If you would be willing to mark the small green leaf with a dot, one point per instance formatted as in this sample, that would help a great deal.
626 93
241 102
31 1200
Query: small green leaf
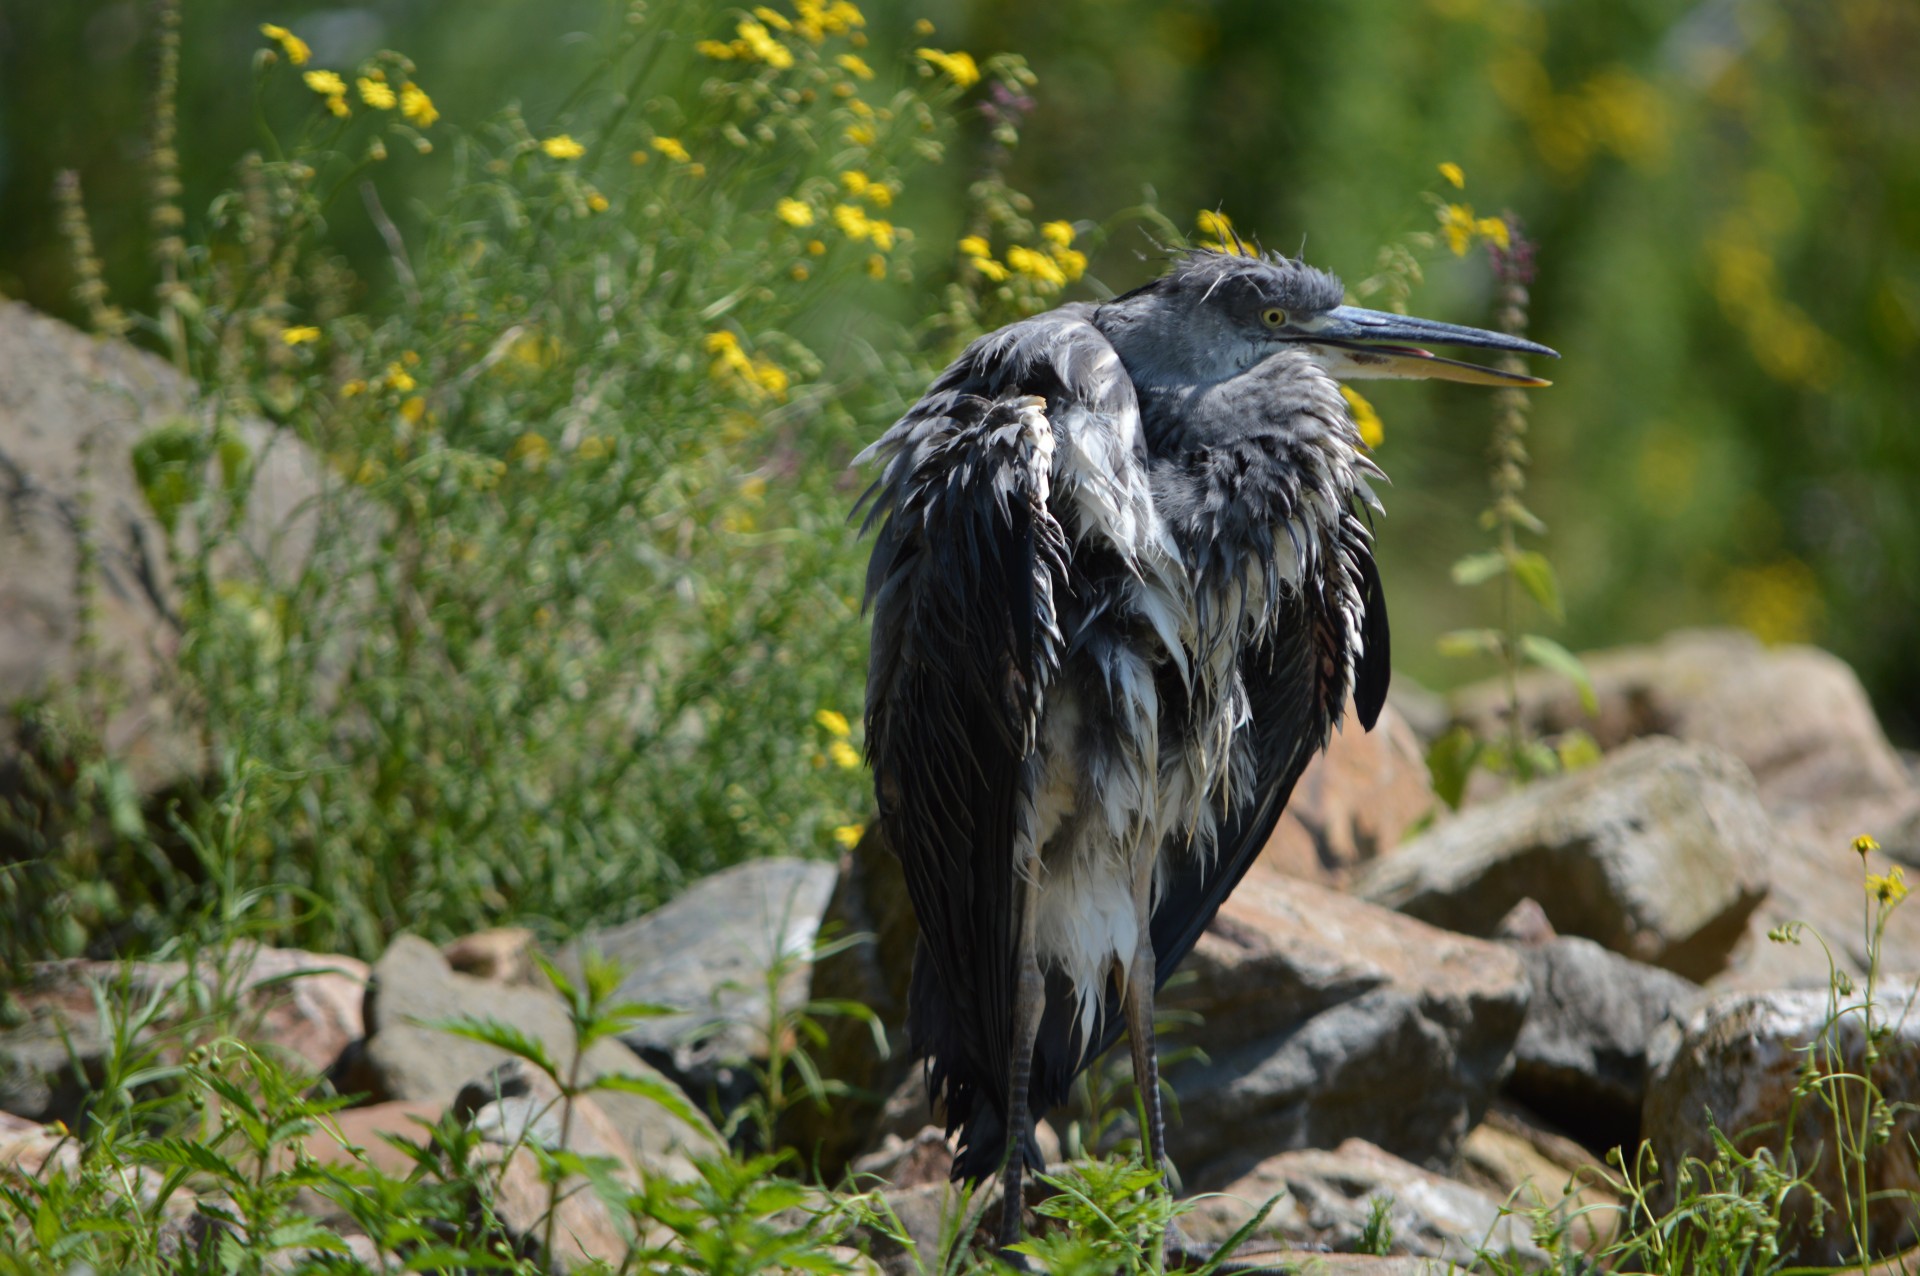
1536 576
1549 654
1470 642
1450 761
1577 749
1477 569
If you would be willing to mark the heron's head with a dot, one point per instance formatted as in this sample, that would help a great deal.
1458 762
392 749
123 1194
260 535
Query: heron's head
1217 314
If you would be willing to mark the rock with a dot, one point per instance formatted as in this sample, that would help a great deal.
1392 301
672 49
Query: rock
1581 1059
408 1058
1740 1058
900 1163
1325 1018
1326 1198
1796 716
1658 852
869 898
362 1135
707 953
1516 1162
72 409
1354 802
306 1004
504 955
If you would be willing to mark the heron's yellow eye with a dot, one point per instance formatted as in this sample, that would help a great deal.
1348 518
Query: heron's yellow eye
1273 316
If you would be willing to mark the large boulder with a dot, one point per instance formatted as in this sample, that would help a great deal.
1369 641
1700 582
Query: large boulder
72 410
1354 802
1324 1018
1582 1057
1658 852
306 1005
409 1056
1796 716
707 955
1328 1199
1738 1065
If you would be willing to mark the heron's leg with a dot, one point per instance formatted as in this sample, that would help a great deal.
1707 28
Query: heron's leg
1029 1000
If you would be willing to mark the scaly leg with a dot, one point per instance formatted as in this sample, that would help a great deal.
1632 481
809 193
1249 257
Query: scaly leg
1029 1000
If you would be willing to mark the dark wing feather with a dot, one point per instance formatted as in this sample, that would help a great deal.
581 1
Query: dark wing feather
969 571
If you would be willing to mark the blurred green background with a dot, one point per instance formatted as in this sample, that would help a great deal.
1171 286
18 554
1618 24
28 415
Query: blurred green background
1726 196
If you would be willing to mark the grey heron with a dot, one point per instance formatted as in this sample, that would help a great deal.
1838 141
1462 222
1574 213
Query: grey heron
1122 587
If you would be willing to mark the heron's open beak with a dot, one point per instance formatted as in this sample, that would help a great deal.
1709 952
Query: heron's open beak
1351 343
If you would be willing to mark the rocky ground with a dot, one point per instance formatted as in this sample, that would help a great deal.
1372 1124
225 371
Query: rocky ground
1403 1009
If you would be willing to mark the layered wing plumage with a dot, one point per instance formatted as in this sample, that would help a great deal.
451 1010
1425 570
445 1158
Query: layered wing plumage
978 509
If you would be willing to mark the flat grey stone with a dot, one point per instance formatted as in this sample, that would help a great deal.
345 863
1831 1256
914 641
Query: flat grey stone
1658 852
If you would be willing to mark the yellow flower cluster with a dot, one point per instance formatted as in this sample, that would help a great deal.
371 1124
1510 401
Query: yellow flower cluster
794 212
816 21
376 92
855 65
1365 418
860 186
758 377
857 226
1220 227
416 105
849 835
299 336
1050 271
1890 888
561 146
672 149
330 86
839 748
292 45
959 67
1462 229
1455 175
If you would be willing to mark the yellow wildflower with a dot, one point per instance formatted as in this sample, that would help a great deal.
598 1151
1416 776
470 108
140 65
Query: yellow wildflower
772 378
990 269
922 27
849 835
960 67
299 335
1452 172
761 44
413 409
880 195
794 212
976 246
855 181
292 45
1036 266
377 94
852 221
817 247
1215 223
672 149
855 65
799 273
834 722
1365 419
1462 228
353 388
416 105
773 18
1073 262
719 50
398 378
876 266
598 202
881 233
862 108
1890 889
330 86
1059 234
862 135
843 754
1864 845
561 146
696 170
